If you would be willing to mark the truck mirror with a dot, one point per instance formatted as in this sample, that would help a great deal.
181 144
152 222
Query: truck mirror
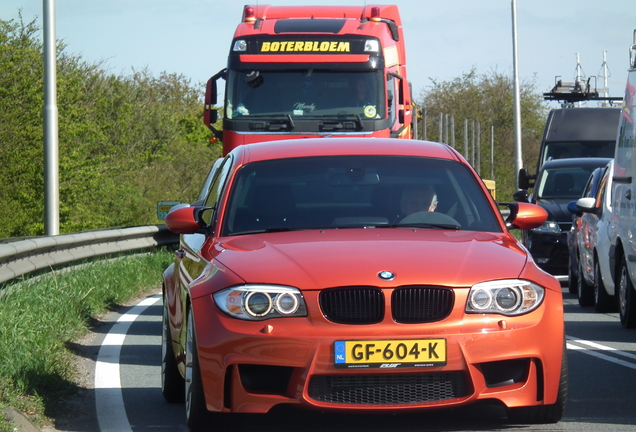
524 180
210 113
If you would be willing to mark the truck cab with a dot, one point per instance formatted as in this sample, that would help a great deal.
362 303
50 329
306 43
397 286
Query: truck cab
313 71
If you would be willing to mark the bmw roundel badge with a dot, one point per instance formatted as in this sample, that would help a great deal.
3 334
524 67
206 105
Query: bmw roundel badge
386 275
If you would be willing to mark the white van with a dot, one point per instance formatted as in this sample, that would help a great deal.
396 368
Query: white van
623 233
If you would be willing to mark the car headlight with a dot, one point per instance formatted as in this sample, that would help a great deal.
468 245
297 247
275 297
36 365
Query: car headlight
508 297
261 302
550 227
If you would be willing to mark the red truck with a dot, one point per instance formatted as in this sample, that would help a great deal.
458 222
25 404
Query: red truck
313 71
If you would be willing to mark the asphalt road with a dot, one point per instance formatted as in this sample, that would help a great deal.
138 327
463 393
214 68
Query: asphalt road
602 377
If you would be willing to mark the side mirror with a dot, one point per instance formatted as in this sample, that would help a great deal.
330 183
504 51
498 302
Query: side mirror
586 205
210 112
572 208
187 220
525 216
521 196
525 180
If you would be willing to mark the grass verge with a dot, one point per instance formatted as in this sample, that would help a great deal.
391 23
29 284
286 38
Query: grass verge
39 316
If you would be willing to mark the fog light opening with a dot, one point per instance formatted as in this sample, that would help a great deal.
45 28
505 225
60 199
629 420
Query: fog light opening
505 372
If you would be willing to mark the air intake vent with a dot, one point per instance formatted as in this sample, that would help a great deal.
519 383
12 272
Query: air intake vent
388 389
353 305
421 304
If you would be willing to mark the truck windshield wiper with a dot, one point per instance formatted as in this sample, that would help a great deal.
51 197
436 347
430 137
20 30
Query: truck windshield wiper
277 122
341 122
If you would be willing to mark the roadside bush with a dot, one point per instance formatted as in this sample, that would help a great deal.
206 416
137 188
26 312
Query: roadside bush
125 142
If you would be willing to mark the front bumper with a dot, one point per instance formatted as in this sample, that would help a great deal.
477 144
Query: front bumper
254 366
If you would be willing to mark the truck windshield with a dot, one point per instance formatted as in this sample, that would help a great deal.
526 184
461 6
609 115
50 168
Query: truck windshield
305 93
577 149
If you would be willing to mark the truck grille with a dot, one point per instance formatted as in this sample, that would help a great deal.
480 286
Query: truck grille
388 389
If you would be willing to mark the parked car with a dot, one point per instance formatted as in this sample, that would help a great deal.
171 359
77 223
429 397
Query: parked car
589 242
622 252
558 182
301 280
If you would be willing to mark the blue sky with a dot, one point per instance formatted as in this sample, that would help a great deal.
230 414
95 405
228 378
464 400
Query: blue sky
444 39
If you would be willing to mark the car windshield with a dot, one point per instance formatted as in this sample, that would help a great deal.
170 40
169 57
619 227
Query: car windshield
563 182
338 192
305 93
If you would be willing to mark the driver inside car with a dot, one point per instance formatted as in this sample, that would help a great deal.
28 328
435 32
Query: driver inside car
418 198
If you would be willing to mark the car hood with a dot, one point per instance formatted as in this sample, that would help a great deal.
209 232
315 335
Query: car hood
349 257
557 209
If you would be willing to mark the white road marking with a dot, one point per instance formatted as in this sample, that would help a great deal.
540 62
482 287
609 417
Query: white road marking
109 402
598 347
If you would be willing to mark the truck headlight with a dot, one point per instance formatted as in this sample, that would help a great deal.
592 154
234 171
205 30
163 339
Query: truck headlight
372 46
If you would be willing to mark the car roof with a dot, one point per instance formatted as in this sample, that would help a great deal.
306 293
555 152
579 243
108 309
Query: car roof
343 146
575 162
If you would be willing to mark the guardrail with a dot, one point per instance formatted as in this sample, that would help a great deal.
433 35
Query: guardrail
25 256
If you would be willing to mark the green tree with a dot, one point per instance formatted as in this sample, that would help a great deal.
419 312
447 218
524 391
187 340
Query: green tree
21 102
488 99
125 142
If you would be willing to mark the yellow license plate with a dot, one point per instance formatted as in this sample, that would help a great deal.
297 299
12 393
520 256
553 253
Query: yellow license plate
390 353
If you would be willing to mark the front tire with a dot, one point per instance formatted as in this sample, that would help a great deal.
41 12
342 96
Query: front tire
543 414
626 296
573 281
196 410
172 383
603 302
585 290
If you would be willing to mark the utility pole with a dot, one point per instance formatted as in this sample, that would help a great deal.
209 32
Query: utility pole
517 103
50 114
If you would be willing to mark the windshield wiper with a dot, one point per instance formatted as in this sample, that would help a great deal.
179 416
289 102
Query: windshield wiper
341 122
422 225
285 122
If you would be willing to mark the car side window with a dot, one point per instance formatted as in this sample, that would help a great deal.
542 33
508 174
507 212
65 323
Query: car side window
216 188
588 186
600 195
